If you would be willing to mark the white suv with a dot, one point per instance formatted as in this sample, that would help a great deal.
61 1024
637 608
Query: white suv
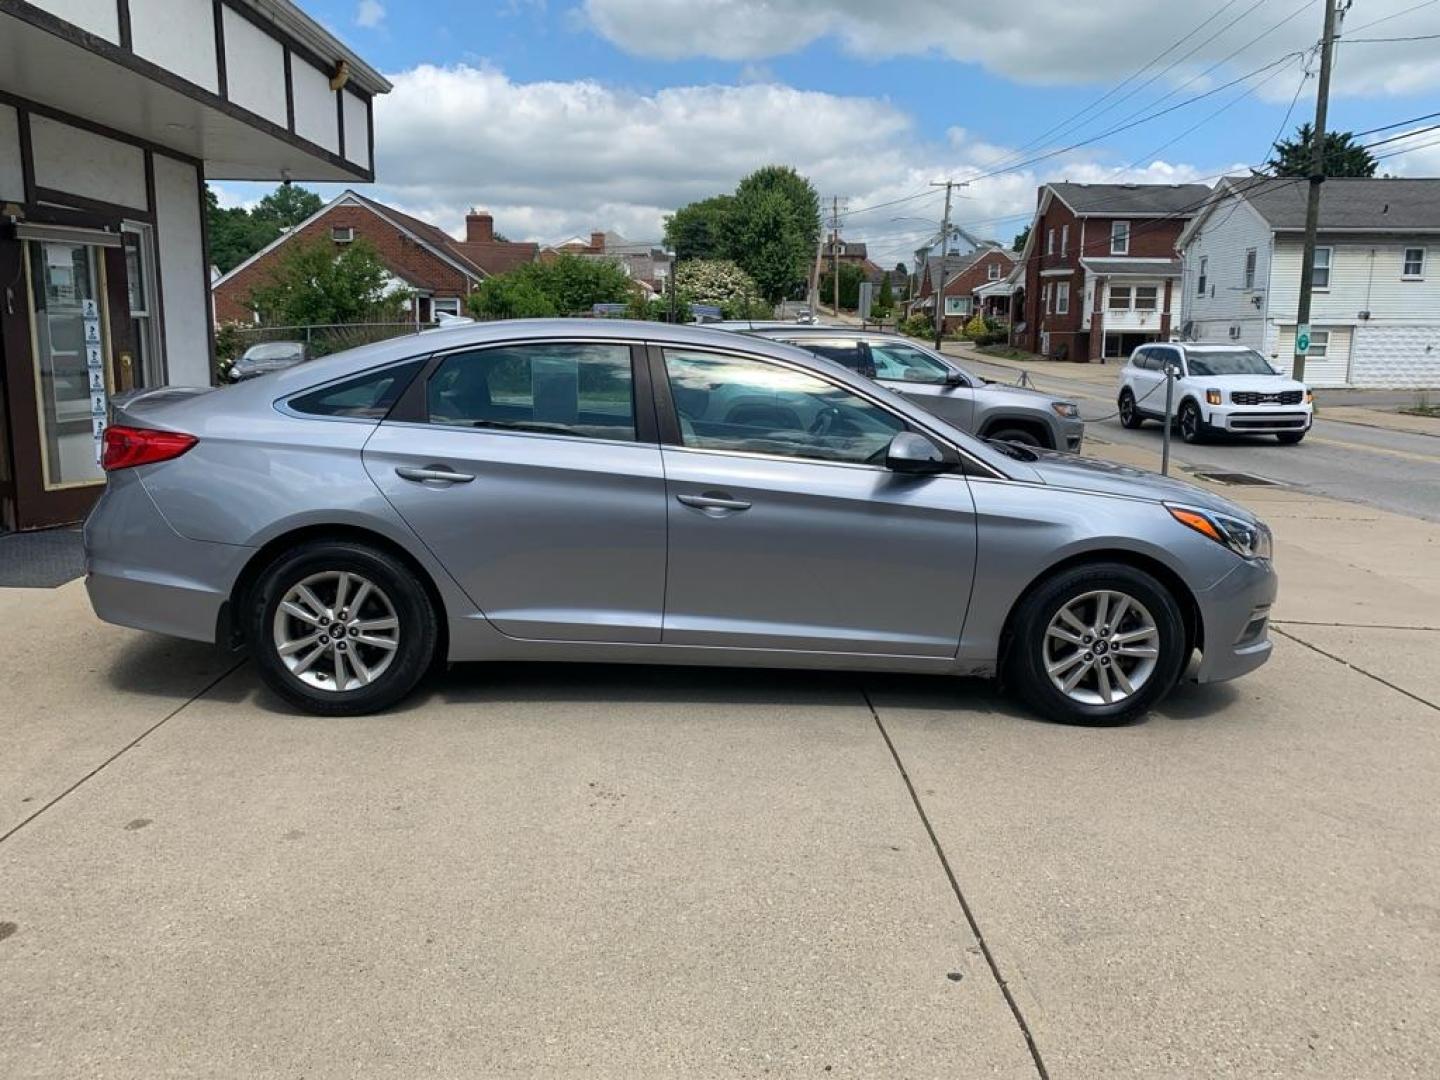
1220 388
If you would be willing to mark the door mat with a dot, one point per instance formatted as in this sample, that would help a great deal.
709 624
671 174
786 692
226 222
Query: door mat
40 560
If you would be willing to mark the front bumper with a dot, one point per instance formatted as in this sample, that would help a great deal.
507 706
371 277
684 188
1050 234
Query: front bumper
1258 419
1072 435
140 573
1235 615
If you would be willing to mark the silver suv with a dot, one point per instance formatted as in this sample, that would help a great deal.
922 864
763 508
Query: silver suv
941 386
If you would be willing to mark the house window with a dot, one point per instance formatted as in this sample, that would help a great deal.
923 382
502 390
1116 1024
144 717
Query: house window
450 305
1203 280
1414 263
1146 297
342 234
148 368
1050 242
1062 299
957 305
1064 239
1119 298
1321 280
1119 238
1046 293
1250 258
1319 344
993 271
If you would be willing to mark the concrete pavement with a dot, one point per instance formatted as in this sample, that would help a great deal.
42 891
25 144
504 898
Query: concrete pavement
537 871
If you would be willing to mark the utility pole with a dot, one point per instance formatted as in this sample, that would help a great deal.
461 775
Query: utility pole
938 276
1317 177
835 240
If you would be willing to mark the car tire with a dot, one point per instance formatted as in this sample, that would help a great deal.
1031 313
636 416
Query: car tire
1193 428
1018 435
1129 412
1036 656
384 648
1290 438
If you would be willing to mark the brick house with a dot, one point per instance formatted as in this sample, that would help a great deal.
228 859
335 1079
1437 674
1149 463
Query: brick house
964 274
439 269
1100 269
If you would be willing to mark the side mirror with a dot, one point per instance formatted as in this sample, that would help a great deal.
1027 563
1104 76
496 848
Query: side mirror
234 374
914 454
956 379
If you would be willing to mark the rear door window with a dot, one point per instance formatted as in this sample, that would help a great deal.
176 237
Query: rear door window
578 389
854 355
899 362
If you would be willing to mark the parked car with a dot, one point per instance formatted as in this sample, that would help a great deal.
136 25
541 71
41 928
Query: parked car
938 384
1220 388
268 356
642 493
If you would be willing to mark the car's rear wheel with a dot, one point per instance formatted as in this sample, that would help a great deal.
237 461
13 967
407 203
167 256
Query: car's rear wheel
1193 428
1097 644
1129 413
1290 438
340 628
1023 436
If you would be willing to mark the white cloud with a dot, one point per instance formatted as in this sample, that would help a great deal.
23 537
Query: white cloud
552 159
369 14
1031 41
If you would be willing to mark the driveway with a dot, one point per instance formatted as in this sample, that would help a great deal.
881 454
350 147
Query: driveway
574 871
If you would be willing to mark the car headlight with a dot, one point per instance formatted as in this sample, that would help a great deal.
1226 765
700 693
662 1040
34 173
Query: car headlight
1212 397
1067 409
1249 540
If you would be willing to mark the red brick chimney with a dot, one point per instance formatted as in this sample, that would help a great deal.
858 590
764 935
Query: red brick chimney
479 227
597 243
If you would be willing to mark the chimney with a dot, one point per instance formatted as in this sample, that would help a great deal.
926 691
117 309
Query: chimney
479 227
597 243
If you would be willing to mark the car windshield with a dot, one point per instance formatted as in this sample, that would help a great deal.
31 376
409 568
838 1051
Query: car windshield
1228 362
274 350
905 363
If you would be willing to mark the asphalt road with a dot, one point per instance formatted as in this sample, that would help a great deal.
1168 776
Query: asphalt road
1391 470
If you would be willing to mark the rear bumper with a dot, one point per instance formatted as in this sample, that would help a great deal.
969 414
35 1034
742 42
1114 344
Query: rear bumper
1235 613
140 573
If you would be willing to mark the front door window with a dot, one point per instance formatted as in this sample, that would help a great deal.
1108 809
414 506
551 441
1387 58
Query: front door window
71 355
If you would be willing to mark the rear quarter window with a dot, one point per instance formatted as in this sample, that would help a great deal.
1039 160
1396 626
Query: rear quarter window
366 397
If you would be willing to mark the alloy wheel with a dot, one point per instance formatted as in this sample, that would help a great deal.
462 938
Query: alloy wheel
1101 647
336 631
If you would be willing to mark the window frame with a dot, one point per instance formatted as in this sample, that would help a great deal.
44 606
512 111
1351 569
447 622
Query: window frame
437 300
413 406
1050 241
1062 298
1115 234
1128 290
1252 263
1316 335
422 366
1329 268
1202 278
992 272
1135 297
348 232
1405 272
671 438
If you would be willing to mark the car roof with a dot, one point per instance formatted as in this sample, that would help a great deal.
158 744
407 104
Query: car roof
803 330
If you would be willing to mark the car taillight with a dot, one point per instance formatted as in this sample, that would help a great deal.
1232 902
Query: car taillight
126 447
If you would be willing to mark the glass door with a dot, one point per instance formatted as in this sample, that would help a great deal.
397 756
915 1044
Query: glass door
71 353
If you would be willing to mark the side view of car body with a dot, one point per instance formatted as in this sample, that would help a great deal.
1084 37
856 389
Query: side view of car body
941 386
634 492
1220 389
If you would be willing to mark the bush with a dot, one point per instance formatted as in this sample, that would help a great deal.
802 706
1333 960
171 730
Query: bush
509 296
975 329
917 326
721 283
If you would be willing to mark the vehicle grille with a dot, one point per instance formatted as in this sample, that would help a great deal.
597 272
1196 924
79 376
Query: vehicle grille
1255 397
1268 421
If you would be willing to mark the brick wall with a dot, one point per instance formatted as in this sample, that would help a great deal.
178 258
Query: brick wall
972 277
401 255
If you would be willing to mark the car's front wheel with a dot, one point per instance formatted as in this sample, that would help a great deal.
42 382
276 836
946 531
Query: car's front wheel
1193 428
1022 436
340 628
1097 644
1129 412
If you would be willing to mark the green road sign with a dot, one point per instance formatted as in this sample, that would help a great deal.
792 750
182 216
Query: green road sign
1302 340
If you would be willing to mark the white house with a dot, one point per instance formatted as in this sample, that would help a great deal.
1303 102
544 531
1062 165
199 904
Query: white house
1375 308
113 114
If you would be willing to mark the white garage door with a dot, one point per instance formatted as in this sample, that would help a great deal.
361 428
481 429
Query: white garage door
1328 362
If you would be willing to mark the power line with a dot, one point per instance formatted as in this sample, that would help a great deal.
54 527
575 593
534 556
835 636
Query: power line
1396 15
1387 40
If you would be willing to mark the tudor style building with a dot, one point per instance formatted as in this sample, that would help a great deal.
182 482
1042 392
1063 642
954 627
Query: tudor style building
1100 272
113 114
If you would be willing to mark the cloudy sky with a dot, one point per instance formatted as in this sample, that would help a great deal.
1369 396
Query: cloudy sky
563 116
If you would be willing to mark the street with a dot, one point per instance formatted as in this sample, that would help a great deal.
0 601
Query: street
631 871
1392 470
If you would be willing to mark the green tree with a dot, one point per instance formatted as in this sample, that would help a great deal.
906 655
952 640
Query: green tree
233 234
1343 156
719 282
287 206
313 286
850 278
1021 239
772 228
508 296
575 284
697 231
885 302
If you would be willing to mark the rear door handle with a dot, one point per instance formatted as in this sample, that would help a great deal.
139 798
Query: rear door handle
437 473
712 502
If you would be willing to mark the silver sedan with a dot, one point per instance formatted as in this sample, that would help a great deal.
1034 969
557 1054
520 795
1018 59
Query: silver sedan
639 493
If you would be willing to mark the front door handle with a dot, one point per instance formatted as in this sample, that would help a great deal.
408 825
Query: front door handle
712 502
433 473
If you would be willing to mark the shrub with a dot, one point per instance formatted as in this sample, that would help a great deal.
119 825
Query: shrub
976 329
917 326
